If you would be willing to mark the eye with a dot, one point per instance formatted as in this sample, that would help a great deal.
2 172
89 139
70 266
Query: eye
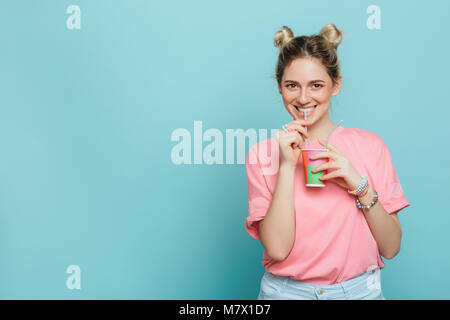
318 84
290 84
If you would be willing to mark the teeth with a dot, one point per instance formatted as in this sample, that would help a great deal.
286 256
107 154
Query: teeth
305 110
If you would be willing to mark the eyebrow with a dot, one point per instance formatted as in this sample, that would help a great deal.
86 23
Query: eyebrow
309 82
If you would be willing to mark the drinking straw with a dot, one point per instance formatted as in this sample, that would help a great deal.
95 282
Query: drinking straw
306 129
331 131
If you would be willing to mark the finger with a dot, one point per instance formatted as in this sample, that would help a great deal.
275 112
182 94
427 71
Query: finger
294 132
281 133
296 127
301 122
290 138
297 141
325 154
331 175
325 166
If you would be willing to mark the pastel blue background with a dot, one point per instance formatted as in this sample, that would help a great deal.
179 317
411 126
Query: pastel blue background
86 176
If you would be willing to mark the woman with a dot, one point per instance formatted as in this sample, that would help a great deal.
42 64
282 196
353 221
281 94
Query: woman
321 243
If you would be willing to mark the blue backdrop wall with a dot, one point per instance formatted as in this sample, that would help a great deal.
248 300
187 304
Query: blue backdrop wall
93 203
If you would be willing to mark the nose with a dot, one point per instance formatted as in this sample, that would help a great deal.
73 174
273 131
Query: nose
303 97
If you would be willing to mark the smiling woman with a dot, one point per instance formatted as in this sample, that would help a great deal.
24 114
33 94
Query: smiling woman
308 75
323 243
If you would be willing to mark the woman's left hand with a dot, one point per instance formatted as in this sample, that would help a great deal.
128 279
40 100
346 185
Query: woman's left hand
344 174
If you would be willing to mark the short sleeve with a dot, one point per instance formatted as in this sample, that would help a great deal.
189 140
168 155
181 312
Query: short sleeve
259 195
387 184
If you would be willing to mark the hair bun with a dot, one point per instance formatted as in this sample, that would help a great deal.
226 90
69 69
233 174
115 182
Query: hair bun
332 34
282 37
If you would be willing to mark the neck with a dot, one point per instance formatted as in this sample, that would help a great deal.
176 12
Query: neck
320 129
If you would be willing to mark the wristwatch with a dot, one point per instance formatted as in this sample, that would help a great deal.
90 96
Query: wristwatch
370 205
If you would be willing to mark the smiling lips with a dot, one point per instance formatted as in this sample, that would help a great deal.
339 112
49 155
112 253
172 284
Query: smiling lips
308 110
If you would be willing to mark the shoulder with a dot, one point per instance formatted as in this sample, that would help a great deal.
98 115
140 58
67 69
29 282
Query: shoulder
364 137
263 152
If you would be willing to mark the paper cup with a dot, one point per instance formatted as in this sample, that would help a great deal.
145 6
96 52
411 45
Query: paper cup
312 178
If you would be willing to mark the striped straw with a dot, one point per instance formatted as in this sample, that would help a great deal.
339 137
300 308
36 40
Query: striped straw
331 131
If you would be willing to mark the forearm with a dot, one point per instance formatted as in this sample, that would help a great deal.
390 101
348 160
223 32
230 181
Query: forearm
277 230
384 228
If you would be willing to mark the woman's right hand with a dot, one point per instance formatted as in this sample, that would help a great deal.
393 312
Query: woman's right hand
292 142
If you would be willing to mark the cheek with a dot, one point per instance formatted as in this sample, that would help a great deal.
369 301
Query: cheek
321 97
288 96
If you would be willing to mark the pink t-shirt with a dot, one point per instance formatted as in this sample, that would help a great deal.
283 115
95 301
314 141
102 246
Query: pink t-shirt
333 242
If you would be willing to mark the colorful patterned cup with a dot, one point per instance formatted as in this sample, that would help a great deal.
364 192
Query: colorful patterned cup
312 178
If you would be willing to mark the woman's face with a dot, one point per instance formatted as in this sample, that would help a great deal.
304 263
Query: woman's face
306 83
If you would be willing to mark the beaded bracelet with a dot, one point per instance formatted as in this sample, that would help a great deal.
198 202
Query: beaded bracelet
361 187
364 193
370 205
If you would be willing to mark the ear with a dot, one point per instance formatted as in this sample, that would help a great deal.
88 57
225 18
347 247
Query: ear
337 86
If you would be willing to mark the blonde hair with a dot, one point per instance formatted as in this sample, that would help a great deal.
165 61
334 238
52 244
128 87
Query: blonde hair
322 46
